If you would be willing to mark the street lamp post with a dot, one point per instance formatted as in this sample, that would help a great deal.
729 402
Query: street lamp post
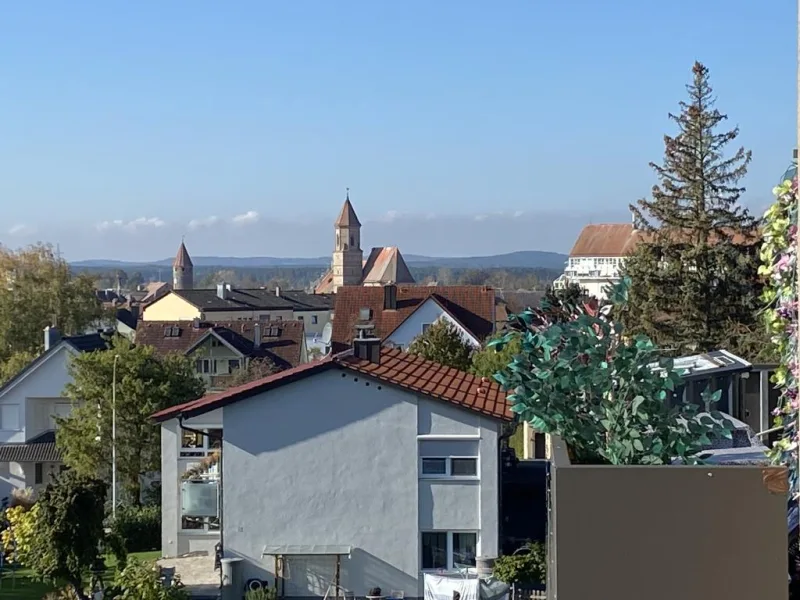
114 437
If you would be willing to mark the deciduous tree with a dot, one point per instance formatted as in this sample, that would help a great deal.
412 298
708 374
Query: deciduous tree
38 290
695 270
145 383
442 343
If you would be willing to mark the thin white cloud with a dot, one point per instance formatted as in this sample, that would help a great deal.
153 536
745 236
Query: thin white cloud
247 218
20 229
389 216
201 223
134 225
518 214
480 217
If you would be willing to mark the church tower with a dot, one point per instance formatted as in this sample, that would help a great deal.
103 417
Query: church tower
182 270
348 260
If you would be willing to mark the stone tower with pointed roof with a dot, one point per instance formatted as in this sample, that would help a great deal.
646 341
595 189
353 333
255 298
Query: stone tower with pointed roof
182 270
348 259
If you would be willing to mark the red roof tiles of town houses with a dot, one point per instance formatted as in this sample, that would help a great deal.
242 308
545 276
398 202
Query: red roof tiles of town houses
473 306
396 368
620 239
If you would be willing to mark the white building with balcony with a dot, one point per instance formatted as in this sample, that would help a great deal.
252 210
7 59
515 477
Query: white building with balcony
597 257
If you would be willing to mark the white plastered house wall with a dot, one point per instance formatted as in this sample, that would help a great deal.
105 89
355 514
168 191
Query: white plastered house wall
426 314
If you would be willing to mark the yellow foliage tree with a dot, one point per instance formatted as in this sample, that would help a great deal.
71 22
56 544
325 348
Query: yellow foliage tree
17 537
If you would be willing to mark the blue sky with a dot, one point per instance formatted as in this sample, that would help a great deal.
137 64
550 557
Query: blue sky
518 120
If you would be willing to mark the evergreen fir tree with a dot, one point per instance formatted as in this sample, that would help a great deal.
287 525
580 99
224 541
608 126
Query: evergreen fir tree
694 274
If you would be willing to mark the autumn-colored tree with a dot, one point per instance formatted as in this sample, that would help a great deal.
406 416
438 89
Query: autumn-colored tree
38 290
145 383
442 343
257 368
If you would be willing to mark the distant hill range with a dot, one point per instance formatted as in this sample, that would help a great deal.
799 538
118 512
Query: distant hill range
524 259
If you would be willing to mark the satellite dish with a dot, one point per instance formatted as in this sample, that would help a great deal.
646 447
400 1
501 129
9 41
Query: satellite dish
327 332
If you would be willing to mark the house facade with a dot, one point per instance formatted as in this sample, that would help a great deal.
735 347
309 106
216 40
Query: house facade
402 312
221 349
29 404
367 468
596 259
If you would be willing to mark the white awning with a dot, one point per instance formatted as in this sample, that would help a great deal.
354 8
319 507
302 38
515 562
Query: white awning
305 550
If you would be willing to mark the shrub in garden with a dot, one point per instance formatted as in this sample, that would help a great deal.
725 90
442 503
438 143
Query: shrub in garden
139 581
528 566
138 528
17 537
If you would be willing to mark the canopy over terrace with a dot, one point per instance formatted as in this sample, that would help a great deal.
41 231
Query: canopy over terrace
281 552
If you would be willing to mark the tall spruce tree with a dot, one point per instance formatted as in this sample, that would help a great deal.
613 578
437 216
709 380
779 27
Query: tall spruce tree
694 274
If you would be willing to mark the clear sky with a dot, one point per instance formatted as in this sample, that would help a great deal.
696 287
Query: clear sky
461 126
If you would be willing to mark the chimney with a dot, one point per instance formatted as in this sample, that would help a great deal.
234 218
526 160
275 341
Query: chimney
365 345
196 323
278 291
222 291
51 337
256 335
390 297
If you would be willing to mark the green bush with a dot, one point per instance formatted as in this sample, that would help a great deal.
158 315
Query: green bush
262 594
527 567
138 528
138 581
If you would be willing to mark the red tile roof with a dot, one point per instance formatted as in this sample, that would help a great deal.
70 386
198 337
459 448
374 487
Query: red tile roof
471 305
620 239
285 346
182 259
397 368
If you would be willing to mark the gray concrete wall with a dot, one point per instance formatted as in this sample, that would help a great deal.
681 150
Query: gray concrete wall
333 460
666 532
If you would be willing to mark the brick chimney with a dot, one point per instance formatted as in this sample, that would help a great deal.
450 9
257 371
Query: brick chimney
256 335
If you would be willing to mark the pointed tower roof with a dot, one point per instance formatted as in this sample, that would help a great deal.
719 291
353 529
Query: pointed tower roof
182 259
348 218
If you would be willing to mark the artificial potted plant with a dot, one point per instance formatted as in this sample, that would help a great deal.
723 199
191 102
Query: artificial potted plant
625 472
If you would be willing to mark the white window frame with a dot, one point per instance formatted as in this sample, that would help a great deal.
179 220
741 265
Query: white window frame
201 452
314 319
449 468
450 564
425 327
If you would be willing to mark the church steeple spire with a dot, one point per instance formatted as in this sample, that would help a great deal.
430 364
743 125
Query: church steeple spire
348 259
182 269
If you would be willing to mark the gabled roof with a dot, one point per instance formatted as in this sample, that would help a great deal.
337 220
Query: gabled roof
347 216
281 341
386 265
182 259
255 299
470 305
41 448
80 343
620 239
606 240
397 368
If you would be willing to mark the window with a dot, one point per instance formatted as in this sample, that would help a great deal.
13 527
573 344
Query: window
233 365
172 332
449 467
206 366
278 318
9 417
195 444
300 318
38 475
263 317
426 326
447 550
314 319
200 523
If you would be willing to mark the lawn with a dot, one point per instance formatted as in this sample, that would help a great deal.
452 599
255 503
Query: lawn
21 586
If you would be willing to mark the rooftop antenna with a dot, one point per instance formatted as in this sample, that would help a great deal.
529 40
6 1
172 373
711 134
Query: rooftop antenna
348 193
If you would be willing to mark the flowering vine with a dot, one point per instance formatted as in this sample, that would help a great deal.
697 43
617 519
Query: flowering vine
779 266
